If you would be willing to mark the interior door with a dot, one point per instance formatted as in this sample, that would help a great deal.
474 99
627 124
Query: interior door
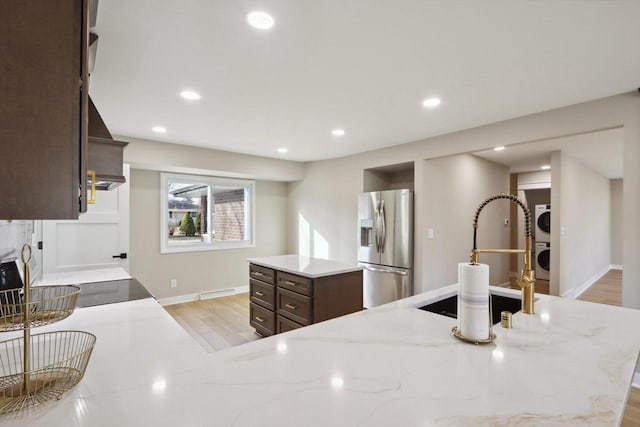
397 234
94 241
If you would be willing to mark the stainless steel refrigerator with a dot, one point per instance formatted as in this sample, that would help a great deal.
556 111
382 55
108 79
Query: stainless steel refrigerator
385 248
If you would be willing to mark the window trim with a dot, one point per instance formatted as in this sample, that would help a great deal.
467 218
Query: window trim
213 181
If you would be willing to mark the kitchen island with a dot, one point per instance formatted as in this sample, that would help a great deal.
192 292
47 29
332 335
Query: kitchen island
569 364
288 292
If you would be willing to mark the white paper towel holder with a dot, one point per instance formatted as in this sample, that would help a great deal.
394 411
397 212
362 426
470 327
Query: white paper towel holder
456 332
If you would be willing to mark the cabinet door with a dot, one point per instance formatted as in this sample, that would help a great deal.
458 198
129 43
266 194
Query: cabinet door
263 274
292 282
294 306
263 320
262 294
42 112
286 325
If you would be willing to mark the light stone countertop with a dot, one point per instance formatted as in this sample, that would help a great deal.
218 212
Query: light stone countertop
569 364
305 266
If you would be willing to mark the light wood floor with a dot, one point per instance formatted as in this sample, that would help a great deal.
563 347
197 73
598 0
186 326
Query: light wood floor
216 323
220 323
607 290
632 412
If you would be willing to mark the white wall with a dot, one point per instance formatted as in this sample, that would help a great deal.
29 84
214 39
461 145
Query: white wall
631 196
327 195
205 270
453 187
616 221
554 266
585 226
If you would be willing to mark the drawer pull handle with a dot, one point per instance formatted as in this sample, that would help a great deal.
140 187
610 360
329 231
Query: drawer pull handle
260 294
288 282
257 273
92 175
291 306
259 319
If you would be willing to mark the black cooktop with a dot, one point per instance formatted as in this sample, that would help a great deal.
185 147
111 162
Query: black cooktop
99 293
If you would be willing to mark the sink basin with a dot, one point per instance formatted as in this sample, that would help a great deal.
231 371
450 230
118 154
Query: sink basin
449 306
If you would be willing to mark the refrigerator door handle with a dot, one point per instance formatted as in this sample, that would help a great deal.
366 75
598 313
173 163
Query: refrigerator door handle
375 232
386 270
378 229
383 238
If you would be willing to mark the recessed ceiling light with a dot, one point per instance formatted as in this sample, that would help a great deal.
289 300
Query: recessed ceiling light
190 95
159 129
499 148
545 167
282 150
431 102
337 132
260 20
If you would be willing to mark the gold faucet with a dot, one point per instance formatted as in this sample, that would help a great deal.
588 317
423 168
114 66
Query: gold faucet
527 280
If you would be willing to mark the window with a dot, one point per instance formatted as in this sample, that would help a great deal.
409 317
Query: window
201 213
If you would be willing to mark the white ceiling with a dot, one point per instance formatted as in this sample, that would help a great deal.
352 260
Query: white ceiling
601 151
363 65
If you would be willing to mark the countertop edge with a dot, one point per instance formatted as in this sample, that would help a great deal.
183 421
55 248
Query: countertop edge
340 270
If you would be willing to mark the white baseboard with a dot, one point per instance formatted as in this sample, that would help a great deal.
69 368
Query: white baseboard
636 381
217 293
615 267
574 293
179 299
223 292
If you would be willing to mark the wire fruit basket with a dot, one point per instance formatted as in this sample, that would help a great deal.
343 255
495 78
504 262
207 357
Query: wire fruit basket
40 367
57 363
48 304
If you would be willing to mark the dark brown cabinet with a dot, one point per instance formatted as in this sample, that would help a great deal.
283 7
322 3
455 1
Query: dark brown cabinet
105 153
281 301
43 108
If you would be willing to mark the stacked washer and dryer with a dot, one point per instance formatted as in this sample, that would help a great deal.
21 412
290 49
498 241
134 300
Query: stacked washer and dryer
543 241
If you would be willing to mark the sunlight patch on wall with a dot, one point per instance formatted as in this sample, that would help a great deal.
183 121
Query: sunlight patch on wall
304 236
311 244
320 246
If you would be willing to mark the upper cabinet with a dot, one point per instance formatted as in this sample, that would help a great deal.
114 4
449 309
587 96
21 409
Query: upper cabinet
43 108
53 141
105 154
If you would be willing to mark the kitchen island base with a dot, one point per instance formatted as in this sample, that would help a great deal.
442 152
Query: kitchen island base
282 301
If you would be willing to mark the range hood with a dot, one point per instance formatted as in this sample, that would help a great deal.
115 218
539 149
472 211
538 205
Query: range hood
105 155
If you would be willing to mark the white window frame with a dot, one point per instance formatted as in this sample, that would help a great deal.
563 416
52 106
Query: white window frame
212 181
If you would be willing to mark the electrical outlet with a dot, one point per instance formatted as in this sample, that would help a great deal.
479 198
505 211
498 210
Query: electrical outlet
174 283
430 233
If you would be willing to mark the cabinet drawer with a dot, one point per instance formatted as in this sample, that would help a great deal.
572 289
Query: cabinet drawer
302 285
263 320
286 325
263 294
294 306
264 274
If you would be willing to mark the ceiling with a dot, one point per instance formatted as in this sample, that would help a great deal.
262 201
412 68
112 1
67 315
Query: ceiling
600 151
361 65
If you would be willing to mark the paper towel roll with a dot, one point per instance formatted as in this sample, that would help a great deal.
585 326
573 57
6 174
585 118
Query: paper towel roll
473 300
